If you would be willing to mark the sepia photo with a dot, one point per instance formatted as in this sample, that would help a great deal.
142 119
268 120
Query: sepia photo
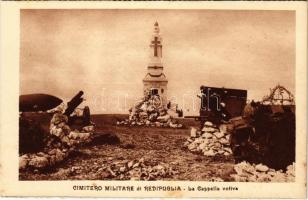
157 97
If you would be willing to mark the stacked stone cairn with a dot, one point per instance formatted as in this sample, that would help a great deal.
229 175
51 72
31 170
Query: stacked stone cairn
150 112
246 172
210 141
61 141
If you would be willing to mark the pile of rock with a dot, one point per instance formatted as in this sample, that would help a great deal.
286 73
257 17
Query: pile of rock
59 143
210 141
138 170
42 160
60 131
246 172
150 112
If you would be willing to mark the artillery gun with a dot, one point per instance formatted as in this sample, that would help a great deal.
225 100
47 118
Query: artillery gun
220 104
265 133
72 105
261 132
34 119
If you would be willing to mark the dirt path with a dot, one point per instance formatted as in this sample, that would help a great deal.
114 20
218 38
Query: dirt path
155 145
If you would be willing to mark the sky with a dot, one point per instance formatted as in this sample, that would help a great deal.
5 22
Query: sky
105 53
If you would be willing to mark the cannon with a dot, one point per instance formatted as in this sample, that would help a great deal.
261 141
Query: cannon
220 104
43 102
265 133
34 120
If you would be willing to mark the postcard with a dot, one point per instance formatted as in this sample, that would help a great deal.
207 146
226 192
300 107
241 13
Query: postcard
153 99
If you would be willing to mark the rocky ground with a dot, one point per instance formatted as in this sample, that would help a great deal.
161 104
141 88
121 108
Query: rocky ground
148 153
143 153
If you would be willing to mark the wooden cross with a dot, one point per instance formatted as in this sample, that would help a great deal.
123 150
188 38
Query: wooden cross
156 43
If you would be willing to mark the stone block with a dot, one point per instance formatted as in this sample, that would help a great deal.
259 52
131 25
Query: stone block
224 141
88 128
208 129
209 153
208 124
193 132
218 135
262 168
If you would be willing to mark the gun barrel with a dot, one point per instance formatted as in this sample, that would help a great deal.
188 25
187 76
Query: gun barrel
73 103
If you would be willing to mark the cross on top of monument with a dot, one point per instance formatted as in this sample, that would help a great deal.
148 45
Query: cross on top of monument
156 44
156 41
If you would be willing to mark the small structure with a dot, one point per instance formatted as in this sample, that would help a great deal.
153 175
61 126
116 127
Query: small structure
279 95
155 81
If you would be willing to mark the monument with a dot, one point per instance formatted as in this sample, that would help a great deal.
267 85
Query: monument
155 81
